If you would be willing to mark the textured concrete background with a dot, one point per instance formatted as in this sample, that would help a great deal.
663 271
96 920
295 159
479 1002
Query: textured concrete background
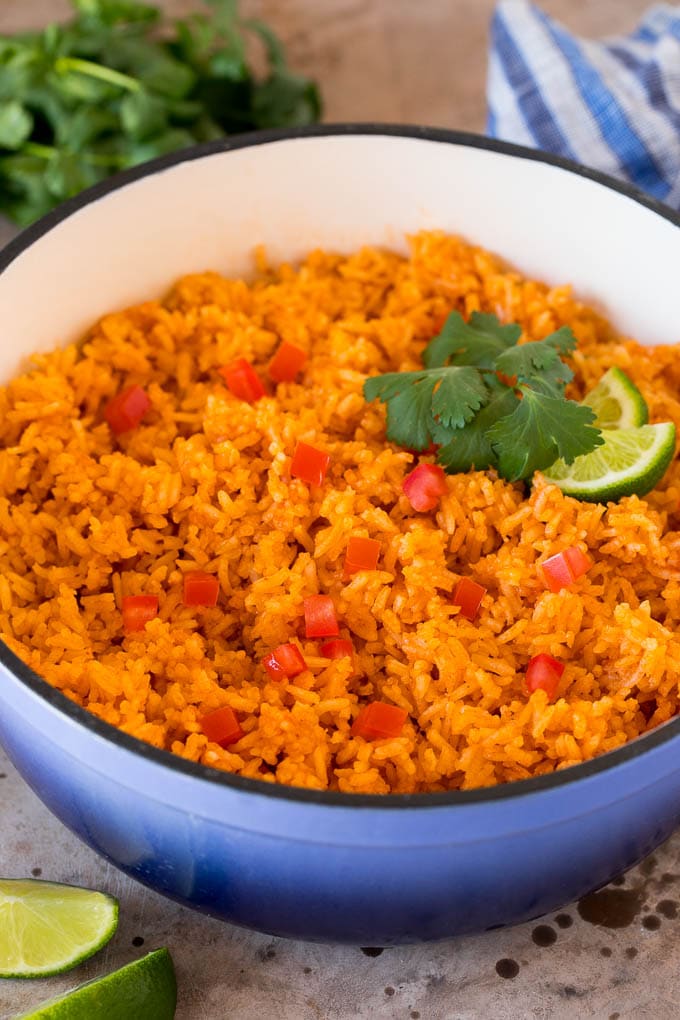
613 956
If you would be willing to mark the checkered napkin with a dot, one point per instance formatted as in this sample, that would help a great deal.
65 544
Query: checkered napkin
613 104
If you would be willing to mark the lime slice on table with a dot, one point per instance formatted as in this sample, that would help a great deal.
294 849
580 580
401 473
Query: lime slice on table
47 928
617 402
630 462
143 990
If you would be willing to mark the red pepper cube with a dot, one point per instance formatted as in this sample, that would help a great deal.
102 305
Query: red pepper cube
557 573
127 409
379 721
544 672
137 611
429 451
200 589
425 486
560 571
579 563
468 595
362 554
337 649
222 726
242 380
309 464
287 362
320 618
284 662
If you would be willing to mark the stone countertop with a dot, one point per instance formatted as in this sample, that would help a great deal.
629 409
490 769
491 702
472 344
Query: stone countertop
612 956
389 60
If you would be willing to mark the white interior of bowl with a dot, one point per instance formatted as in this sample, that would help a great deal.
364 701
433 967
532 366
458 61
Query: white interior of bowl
339 192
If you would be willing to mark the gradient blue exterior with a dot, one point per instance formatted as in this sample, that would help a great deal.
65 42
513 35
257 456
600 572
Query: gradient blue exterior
364 875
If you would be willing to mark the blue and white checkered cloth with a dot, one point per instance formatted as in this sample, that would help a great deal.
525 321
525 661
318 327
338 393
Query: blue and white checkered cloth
612 104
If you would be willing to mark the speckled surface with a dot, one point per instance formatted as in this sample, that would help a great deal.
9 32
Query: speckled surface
560 967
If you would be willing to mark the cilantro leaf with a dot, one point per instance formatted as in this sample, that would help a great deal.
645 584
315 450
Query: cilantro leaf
470 447
418 401
67 174
477 342
16 124
285 99
408 407
112 11
563 340
536 362
461 392
540 430
84 126
488 402
23 191
409 417
142 114
119 83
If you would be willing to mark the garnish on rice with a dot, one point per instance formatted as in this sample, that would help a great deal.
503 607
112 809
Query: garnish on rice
488 402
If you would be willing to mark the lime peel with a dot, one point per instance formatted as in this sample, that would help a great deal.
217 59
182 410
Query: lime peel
48 928
617 402
145 988
630 462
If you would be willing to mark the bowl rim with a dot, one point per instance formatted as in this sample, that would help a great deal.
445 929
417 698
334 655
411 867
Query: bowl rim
503 792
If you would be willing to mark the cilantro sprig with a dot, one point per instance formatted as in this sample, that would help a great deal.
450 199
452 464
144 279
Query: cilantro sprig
487 401
117 85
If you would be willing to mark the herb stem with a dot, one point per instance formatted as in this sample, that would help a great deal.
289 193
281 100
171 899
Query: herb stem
96 159
87 67
40 151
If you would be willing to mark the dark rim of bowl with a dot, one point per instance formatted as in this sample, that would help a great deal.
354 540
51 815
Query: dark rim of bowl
518 788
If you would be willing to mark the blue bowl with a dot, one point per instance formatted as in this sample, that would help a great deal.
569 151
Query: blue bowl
325 866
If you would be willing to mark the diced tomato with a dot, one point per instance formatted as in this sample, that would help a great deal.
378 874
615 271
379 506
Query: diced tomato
543 671
579 563
221 726
200 589
127 409
507 380
287 362
362 554
429 451
336 648
468 595
284 662
564 568
557 573
309 464
320 618
379 721
425 486
137 611
243 381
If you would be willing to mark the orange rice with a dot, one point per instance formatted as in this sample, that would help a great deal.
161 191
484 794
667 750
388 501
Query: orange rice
204 483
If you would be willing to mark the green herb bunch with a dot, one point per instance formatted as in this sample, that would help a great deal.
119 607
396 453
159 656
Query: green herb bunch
487 402
116 86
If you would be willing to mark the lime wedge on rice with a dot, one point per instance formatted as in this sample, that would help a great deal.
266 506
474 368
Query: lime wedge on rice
143 990
617 402
47 928
630 462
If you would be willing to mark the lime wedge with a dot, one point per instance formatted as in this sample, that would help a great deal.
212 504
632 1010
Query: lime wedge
630 462
143 990
617 402
47 928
